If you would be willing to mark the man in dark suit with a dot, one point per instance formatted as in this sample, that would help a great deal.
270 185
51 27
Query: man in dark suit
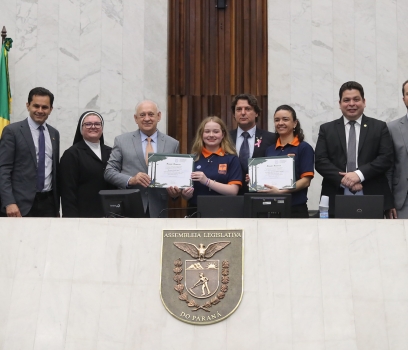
354 152
398 174
29 161
127 165
249 140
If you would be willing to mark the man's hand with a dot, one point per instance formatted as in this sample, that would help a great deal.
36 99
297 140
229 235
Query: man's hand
391 214
187 193
357 187
12 210
140 179
349 179
271 189
173 192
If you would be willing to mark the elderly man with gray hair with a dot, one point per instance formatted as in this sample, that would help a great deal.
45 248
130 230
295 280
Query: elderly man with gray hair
127 165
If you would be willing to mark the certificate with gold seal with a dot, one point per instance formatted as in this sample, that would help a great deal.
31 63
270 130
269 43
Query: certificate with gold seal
274 171
166 170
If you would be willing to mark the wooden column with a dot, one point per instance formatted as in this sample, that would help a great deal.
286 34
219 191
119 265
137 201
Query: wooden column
213 55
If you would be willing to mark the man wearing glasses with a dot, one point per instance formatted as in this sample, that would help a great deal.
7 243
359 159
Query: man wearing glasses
127 165
29 161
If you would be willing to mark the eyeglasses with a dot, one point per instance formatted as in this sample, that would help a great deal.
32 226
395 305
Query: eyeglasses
96 125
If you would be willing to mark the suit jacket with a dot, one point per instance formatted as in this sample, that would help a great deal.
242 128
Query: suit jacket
268 139
18 166
398 173
374 158
127 159
82 177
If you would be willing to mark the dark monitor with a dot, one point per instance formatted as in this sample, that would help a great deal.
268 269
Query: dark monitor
359 207
264 205
220 206
122 203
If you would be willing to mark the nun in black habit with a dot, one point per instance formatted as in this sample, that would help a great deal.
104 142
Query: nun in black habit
82 167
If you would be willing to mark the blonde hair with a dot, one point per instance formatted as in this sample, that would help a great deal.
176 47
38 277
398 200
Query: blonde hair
226 143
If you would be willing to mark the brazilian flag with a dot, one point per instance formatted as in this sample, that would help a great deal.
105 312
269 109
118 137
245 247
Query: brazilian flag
5 94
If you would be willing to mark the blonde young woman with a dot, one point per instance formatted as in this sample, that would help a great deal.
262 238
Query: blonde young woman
217 170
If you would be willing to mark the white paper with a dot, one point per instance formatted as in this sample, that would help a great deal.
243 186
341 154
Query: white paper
166 170
273 171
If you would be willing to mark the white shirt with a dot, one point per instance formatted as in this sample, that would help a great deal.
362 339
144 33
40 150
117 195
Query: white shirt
95 147
153 141
357 127
251 140
48 151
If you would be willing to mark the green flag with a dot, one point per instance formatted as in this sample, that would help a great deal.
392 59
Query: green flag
5 94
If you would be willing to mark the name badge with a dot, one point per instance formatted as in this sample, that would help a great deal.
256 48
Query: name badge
222 169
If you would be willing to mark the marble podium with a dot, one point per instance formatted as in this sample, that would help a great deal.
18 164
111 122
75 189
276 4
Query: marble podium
81 284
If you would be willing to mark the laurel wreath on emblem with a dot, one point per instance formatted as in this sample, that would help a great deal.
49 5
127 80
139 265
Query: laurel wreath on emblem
192 303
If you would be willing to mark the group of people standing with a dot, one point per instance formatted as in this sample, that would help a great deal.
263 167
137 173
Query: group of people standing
220 169
354 154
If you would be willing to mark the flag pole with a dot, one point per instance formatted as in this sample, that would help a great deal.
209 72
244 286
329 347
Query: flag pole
5 94
3 35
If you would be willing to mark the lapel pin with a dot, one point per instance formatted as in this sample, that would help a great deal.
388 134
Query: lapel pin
365 125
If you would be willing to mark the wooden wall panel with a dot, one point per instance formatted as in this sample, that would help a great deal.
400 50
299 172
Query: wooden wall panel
213 55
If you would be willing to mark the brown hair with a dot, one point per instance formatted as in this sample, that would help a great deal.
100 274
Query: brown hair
226 142
297 131
252 101
403 86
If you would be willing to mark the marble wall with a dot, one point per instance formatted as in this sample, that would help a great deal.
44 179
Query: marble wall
83 284
104 55
108 54
317 45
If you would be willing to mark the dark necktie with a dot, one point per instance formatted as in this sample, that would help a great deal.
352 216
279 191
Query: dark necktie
41 160
351 149
244 150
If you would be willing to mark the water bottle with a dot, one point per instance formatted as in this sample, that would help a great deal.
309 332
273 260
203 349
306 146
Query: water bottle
324 212
324 207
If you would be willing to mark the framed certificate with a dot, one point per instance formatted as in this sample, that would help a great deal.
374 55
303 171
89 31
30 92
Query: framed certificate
274 171
166 170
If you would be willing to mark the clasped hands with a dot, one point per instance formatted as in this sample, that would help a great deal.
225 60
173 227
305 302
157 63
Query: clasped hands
351 181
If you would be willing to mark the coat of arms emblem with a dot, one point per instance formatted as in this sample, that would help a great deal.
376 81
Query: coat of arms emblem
201 280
